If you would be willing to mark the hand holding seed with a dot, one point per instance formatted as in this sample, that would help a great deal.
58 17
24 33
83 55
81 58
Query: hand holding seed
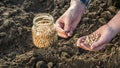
98 39
90 39
87 41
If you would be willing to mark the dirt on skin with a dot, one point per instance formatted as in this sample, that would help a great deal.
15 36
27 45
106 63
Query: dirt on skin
18 51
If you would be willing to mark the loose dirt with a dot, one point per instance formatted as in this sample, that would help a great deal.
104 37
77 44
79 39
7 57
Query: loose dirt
18 51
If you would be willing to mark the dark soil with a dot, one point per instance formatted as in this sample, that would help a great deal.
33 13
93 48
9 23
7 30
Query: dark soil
18 51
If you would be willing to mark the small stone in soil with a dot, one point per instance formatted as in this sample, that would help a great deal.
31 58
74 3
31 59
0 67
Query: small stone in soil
50 64
41 64
102 20
3 34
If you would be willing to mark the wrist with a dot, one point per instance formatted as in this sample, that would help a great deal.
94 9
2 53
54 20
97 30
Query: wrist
74 2
77 3
113 29
114 23
85 3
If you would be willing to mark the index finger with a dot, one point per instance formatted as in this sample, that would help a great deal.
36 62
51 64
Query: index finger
59 29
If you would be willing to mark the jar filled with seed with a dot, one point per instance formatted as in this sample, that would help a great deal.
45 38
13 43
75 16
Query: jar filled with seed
43 30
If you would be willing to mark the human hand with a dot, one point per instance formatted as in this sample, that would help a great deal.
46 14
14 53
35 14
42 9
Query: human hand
106 34
67 23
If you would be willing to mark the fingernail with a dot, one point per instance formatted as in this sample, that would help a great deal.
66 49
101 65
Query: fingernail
78 44
69 34
82 44
67 31
92 47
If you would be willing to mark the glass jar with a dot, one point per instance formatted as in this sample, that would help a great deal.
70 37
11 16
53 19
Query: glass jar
43 30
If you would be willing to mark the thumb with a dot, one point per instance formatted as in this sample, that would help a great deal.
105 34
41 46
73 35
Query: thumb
67 28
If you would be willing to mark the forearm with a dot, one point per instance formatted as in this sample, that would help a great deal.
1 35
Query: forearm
114 23
84 2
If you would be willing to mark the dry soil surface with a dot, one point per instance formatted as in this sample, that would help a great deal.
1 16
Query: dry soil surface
18 51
